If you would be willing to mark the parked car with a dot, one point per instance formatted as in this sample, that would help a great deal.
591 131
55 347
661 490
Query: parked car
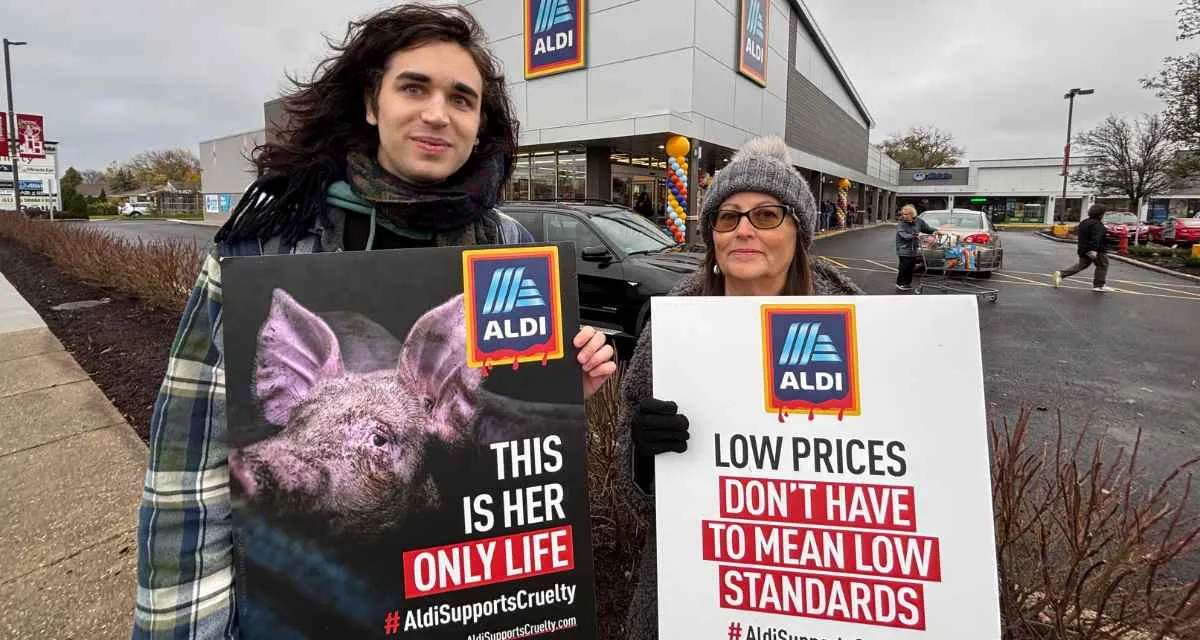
1118 224
1155 231
1185 231
971 229
622 258
132 209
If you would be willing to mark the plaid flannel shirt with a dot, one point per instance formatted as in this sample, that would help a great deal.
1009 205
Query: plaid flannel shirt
185 532
185 529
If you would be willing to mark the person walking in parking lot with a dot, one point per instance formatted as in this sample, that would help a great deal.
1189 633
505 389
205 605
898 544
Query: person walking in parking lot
1091 251
907 229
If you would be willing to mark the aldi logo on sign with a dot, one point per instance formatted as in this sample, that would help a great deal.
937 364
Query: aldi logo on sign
810 360
555 36
752 39
512 306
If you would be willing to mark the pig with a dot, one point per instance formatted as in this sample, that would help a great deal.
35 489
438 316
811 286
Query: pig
354 430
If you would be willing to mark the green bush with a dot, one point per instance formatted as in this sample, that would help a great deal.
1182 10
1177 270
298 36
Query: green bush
1192 262
101 208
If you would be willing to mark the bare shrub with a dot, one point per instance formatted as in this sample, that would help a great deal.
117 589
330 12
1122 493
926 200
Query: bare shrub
1084 547
616 524
159 273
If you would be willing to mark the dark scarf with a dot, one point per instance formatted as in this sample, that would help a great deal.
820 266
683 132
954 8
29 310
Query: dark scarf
457 211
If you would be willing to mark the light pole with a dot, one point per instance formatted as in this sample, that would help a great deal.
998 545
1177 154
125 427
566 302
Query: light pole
1070 95
13 146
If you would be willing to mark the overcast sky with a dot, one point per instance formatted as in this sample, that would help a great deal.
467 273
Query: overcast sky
118 77
993 72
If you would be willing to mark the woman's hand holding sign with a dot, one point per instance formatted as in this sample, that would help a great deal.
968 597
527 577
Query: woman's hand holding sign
596 358
658 427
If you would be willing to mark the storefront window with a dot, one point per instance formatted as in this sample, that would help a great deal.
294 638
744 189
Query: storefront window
1025 210
518 186
620 190
572 175
543 177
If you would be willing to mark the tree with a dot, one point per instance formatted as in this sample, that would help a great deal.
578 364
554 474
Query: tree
1134 160
1178 84
156 168
120 179
72 201
1189 19
922 148
91 176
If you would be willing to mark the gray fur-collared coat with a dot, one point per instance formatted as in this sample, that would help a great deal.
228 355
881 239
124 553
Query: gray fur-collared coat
641 622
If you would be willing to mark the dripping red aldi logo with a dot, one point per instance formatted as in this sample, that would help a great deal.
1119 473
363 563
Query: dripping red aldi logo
810 360
512 306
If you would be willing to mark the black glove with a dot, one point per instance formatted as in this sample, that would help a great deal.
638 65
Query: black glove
658 427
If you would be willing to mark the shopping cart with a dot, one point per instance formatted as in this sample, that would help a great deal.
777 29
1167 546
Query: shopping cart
954 264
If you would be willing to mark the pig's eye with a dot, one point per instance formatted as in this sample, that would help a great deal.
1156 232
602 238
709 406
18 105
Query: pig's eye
379 440
427 404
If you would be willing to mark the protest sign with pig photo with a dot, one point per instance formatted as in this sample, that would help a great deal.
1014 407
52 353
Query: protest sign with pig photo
407 447
836 482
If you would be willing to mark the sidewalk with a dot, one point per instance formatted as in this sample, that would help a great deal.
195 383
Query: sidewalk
71 472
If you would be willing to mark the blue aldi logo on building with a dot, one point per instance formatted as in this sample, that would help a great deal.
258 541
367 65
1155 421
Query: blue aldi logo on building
555 36
752 39
810 360
512 305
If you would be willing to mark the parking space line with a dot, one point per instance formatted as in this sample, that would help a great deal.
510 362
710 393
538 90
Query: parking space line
890 268
1011 277
1161 288
1137 282
1019 278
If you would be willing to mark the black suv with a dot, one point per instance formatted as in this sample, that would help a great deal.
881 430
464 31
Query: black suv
622 258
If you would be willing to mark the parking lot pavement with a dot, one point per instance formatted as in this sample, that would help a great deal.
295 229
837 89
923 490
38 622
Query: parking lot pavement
151 230
1119 360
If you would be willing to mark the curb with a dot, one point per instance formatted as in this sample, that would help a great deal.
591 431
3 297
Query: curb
1135 262
864 227
194 223
1050 237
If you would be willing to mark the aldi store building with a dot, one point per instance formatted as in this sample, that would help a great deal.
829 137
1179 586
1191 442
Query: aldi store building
600 86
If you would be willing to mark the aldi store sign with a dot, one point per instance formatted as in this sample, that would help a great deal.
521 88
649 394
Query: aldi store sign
752 39
555 36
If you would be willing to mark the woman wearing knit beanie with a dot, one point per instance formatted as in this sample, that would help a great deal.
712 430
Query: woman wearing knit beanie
757 222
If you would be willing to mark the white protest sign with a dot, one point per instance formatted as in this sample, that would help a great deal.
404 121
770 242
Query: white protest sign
836 483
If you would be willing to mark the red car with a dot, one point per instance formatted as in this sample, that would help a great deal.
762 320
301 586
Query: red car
1124 223
1183 231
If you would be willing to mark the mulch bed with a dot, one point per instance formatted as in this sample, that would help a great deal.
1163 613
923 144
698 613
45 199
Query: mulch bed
122 345
1169 262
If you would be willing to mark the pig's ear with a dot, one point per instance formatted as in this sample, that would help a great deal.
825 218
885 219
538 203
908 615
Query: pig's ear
434 362
295 350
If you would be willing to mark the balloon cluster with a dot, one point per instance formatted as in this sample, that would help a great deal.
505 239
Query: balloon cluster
677 187
843 201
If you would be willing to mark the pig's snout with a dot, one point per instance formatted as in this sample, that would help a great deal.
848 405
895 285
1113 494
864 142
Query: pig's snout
241 474
267 468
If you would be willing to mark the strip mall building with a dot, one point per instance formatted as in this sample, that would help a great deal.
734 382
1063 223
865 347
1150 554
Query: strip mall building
600 86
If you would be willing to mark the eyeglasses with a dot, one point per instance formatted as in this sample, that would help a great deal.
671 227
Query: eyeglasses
767 216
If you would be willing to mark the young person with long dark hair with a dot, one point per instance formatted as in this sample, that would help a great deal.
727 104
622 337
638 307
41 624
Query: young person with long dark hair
403 138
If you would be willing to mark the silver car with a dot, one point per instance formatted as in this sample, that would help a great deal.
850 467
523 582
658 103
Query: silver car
972 232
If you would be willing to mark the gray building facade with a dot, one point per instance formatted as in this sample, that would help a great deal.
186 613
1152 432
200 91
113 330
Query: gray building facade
648 70
226 170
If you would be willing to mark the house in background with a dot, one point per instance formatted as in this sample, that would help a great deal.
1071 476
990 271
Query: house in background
168 199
